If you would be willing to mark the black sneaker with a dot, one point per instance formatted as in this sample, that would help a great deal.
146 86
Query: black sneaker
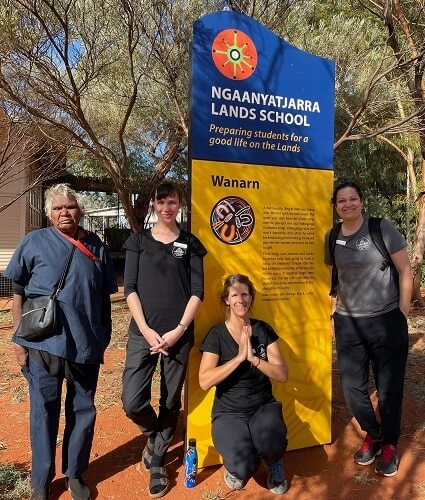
367 452
78 488
388 464
276 481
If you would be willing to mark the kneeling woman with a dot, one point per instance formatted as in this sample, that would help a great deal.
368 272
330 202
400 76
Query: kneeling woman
240 356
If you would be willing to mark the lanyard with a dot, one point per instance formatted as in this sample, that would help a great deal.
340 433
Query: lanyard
77 243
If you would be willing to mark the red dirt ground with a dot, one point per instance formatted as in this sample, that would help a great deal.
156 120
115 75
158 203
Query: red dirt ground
321 472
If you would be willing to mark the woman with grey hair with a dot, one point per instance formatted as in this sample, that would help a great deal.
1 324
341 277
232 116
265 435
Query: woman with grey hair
67 192
74 350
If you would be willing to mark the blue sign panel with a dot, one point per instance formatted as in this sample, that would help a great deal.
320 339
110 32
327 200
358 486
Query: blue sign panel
257 99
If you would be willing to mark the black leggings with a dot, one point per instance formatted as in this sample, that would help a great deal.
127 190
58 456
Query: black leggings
382 342
242 439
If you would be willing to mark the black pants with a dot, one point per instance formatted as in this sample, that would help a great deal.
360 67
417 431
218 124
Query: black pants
45 374
139 368
242 439
383 343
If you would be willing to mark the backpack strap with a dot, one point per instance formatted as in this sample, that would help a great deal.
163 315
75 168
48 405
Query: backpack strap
377 239
333 236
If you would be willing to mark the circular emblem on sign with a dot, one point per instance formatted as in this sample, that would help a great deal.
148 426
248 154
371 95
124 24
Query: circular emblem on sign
232 220
234 54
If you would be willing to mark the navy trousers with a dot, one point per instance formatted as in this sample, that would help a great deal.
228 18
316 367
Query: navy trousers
45 374
380 342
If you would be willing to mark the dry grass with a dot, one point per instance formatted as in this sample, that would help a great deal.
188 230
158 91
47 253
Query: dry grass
14 483
419 488
364 479
216 494
5 317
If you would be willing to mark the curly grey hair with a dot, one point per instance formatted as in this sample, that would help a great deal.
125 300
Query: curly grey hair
62 190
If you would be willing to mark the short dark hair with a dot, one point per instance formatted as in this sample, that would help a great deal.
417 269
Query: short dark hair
345 184
237 278
166 189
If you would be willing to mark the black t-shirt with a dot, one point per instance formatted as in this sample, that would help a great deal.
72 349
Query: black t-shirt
247 388
164 275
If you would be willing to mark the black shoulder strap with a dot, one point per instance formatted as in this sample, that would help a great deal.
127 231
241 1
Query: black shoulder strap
333 236
377 239
64 272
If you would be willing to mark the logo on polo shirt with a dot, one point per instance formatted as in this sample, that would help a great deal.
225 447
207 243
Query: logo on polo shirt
261 352
179 249
363 243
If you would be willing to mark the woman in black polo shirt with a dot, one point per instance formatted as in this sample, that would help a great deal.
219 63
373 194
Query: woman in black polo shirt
163 285
240 356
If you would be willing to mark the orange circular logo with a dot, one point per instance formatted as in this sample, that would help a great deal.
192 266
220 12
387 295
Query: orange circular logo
234 54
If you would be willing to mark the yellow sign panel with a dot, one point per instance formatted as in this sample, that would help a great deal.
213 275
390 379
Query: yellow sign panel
268 223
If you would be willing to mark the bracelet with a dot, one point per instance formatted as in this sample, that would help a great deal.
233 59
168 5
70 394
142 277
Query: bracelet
257 365
181 324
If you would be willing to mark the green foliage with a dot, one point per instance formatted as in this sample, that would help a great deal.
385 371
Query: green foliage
14 483
382 176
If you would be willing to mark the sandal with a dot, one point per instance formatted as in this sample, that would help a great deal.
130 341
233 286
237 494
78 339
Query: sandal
158 484
147 453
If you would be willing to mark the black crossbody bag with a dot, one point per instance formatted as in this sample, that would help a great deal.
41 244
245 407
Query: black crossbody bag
39 315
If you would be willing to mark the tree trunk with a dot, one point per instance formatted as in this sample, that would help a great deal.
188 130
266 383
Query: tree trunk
419 247
124 194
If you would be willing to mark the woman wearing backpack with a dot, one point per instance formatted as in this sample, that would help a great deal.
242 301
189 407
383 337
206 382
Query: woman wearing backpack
369 312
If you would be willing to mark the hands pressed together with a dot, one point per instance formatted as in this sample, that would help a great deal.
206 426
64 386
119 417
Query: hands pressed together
161 345
245 348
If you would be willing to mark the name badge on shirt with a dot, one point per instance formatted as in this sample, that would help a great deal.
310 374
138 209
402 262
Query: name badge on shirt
341 242
179 249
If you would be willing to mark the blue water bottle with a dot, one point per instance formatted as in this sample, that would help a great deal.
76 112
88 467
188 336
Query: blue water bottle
190 464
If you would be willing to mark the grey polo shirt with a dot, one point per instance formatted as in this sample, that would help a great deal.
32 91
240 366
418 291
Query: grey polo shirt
363 289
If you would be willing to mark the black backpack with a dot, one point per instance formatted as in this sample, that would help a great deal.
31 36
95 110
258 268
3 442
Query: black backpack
374 225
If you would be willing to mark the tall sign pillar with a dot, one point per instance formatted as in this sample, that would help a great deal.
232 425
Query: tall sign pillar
261 144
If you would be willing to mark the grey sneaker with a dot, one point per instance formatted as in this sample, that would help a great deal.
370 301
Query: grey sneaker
233 482
276 481
367 452
388 464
